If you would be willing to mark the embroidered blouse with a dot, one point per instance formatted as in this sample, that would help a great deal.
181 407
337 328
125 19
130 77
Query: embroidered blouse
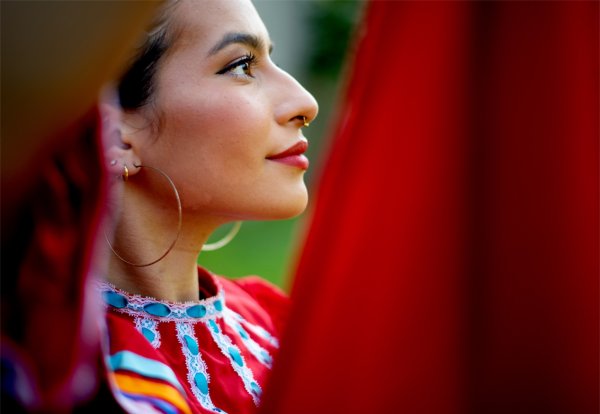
195 357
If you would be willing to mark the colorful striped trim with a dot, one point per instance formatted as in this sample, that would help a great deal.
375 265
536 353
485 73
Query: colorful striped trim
161 404
139 386
146 367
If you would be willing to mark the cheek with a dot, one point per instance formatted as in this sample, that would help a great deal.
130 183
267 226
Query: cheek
216 120
216 146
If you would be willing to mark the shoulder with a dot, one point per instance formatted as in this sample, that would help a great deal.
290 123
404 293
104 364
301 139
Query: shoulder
257 300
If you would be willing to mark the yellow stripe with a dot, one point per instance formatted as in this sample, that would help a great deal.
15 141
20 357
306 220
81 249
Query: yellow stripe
135 385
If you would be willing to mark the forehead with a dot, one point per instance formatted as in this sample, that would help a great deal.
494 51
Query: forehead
203 23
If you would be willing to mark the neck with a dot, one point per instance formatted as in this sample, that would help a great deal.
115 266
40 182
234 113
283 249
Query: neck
143 234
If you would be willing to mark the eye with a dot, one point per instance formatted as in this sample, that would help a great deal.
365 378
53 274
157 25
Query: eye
241 67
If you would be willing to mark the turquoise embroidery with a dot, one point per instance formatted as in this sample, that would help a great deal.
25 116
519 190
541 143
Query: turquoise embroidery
191 344
197 374
213 326
164 311
148 334
149 328
197 311
212 313
157 309
114 299
255 349
201 382
232 352
258 330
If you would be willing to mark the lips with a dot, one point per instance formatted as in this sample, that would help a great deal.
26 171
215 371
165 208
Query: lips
293 155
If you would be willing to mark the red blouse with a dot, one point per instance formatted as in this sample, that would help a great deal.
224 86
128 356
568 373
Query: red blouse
196 357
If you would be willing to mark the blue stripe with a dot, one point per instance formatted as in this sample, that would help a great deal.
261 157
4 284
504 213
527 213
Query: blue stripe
143 366
157 403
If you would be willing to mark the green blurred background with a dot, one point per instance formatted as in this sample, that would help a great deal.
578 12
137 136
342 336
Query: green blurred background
312 41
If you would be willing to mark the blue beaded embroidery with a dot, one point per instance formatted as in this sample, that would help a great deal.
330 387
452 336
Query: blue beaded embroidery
148 312
255 349
165 311
114 299
197 376
258 330
236 359
149 328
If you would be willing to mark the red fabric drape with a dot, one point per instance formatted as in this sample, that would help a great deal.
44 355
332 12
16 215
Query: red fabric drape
50 331
451 264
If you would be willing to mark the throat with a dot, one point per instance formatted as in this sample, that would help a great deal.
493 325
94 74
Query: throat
160 281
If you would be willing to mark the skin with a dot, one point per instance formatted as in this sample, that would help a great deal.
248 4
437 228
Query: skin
219 121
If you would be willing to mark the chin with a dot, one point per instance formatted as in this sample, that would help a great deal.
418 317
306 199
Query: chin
295 211
288 208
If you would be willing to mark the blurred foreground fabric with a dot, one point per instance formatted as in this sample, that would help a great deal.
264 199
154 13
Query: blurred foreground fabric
50 326
56 58
451 265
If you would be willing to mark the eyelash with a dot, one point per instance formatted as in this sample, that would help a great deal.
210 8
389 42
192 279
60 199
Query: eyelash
247 62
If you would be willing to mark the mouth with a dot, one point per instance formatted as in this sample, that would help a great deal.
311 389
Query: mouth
293 156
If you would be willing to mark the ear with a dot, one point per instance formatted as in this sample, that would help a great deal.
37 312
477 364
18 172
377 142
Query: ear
118 149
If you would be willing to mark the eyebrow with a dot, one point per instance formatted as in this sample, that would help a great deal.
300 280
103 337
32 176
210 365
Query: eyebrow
247 39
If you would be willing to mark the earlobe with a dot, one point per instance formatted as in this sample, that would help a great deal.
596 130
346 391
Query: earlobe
119 153
121 162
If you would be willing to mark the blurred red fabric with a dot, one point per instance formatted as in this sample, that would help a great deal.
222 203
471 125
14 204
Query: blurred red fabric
451 265
50 330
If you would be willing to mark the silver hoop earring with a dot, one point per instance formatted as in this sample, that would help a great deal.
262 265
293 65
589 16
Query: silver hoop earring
209 247
179 220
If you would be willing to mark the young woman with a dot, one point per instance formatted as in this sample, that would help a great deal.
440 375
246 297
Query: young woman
209 133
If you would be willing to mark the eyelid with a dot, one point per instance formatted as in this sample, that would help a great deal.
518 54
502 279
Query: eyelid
248 58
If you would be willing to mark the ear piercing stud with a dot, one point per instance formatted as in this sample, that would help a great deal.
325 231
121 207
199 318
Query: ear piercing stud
125 174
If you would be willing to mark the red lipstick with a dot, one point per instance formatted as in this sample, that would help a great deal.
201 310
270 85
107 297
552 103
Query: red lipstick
293 156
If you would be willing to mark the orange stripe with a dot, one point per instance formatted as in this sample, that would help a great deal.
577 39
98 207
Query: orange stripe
135 385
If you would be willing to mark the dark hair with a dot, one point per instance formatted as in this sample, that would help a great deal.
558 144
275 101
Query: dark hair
137 84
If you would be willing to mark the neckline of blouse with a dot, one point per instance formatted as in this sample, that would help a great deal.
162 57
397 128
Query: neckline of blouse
149 307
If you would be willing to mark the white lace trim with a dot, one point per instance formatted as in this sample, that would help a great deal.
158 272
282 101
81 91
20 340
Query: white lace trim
258 330
238 363
145 307
195 365
206 311
261 354
148 327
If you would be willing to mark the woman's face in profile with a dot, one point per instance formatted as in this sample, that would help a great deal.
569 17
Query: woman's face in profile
225 110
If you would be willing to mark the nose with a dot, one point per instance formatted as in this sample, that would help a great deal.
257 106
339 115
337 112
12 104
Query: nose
294 105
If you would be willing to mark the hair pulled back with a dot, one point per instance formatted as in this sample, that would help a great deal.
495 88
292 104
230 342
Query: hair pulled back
136 86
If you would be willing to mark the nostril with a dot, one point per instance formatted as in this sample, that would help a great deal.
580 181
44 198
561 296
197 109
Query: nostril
303 120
